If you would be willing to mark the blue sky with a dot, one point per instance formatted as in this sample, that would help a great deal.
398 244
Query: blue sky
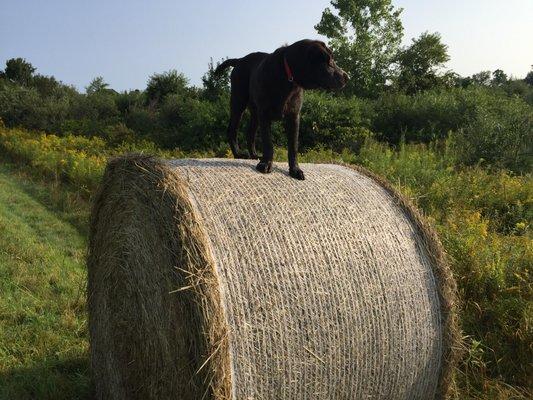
126 41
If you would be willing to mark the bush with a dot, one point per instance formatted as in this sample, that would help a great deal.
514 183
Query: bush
22 106
142 121
162 85
97 106
487 125
117 134
127 101
335 122
422 117
500 134
192 124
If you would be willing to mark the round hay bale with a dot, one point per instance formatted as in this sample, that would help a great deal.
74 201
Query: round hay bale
208 280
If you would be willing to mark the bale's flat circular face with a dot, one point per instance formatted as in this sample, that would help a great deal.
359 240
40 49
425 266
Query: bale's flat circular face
324 288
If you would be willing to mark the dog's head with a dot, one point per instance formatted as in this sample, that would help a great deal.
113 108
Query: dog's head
314 67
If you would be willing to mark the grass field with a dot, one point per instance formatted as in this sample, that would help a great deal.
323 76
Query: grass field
483 218
43 327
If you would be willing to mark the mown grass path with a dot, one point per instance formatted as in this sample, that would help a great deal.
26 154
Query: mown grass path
43 327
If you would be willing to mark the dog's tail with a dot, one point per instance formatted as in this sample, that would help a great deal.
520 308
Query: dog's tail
231 62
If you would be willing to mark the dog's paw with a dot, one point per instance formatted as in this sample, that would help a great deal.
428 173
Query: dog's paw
254 156
264 167
297 173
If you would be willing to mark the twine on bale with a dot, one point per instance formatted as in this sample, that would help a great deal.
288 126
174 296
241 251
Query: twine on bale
208 280
447 287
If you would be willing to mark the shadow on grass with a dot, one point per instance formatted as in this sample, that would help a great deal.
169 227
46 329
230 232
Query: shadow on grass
58 380
56 197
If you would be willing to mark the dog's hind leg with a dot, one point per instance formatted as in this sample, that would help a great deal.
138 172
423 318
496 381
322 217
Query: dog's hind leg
251 133
238 103
237 108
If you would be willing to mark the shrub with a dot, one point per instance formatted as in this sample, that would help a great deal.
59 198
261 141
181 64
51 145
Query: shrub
422 117
500 134
127 101
336 122
22 106
191 123
99 105
117 134
142 121
488 126
162 85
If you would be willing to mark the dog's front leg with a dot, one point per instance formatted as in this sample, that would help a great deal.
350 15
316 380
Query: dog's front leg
292 129
265 163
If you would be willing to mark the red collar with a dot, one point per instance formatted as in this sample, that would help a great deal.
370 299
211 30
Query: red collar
290 76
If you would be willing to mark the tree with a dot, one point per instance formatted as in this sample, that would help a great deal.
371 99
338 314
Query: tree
499 78
529 77
97 85
482 78
18 70
161 85
45 85
215 84
365 36
418 64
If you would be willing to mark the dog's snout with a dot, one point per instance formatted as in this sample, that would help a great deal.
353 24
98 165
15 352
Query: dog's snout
341 78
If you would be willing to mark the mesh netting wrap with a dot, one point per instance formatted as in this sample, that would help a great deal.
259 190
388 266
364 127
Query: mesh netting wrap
209 280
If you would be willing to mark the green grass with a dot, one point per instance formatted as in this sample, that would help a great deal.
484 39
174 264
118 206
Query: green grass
483 216
43 327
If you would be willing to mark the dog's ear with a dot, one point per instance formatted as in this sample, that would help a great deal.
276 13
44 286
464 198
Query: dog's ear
328 50
317 53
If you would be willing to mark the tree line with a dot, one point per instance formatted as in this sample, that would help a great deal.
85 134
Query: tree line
395 93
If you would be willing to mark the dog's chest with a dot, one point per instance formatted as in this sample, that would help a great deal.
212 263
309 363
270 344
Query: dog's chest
292 103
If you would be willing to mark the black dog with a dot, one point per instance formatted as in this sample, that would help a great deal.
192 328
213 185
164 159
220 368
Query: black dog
271 86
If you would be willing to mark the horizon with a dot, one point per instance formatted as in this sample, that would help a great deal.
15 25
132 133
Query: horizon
125 43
